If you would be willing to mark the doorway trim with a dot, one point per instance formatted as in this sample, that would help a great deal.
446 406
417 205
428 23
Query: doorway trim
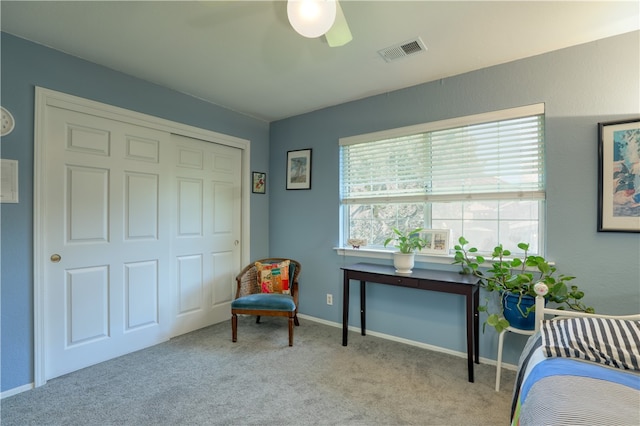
45 98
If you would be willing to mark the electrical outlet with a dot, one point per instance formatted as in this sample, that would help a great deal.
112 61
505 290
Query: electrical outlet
329 299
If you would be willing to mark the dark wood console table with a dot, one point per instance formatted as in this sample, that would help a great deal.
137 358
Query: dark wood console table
423 279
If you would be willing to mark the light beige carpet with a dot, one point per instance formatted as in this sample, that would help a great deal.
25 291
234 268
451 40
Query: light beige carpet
202 378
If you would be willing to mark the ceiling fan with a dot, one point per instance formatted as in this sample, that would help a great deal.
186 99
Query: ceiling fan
315 18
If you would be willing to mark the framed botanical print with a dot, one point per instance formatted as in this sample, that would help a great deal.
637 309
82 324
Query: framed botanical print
259 183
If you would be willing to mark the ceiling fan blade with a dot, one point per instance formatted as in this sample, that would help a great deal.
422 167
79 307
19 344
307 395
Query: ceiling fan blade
339 34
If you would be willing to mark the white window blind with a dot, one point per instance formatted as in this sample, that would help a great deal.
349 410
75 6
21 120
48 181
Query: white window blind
490 160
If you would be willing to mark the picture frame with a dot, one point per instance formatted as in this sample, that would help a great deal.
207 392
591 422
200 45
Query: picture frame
619 176
9 181
259 182
299 169
438 241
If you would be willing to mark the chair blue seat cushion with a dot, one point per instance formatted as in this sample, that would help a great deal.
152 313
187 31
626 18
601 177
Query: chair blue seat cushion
265 301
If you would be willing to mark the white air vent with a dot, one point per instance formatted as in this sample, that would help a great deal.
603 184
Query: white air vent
409 47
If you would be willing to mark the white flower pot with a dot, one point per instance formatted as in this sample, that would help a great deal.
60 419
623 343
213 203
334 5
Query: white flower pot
403 262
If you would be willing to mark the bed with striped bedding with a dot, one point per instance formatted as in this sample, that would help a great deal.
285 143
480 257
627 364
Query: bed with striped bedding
580 371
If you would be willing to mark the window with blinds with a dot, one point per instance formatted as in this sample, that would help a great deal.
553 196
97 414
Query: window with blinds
481 176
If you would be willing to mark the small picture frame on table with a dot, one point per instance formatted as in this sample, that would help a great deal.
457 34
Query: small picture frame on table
299 169
437 241
619 176
259 183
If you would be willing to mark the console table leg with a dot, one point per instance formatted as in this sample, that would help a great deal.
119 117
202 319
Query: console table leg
470 334
476 324
363 320
345 308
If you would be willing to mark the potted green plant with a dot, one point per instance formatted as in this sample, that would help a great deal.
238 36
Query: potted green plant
407 243
514 278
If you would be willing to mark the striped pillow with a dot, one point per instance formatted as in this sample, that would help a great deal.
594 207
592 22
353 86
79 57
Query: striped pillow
611 342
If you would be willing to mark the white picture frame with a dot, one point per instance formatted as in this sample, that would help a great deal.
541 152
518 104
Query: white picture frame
438 241
9 181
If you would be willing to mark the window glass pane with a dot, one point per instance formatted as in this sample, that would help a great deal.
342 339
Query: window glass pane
446 211
360 211
359 222
456 230
481 234
448 216
519 210
481 210
410 216
514 232
385 212
359 229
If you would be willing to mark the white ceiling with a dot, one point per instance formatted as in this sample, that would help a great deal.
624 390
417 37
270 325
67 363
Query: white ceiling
245 56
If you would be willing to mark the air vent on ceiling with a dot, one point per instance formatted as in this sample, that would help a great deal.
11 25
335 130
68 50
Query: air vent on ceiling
409 47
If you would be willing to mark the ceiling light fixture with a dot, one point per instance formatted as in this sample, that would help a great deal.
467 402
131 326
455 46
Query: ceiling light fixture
311 18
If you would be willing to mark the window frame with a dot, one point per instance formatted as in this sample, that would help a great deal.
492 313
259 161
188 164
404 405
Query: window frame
470 120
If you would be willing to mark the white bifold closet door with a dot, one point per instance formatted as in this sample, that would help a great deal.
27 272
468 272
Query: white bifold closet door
206 186
141 227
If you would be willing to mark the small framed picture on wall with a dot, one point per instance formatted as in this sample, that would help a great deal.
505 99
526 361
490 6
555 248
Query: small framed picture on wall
259 183
299 169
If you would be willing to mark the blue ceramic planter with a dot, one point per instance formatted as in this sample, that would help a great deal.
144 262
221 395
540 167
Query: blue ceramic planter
512 311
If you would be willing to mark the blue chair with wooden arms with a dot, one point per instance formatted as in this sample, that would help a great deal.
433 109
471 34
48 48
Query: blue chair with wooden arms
253 296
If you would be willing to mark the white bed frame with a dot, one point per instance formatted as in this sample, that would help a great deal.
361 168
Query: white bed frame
542 310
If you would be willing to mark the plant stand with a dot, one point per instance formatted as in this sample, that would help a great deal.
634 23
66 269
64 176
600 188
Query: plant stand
500 345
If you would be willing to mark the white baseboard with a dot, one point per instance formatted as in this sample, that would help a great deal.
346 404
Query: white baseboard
16 391
488 361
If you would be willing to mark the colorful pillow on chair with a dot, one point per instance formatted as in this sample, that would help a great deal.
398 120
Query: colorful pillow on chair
274 277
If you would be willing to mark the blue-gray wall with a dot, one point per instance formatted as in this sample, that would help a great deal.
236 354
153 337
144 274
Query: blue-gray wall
580 87
26 65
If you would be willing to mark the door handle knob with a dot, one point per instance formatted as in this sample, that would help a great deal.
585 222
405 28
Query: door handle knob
55 258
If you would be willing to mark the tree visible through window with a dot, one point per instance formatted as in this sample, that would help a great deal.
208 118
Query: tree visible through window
480 176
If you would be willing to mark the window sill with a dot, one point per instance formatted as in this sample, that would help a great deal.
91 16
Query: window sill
420 258
388 254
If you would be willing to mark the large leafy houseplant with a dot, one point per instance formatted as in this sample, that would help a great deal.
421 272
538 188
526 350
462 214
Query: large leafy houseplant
517 275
